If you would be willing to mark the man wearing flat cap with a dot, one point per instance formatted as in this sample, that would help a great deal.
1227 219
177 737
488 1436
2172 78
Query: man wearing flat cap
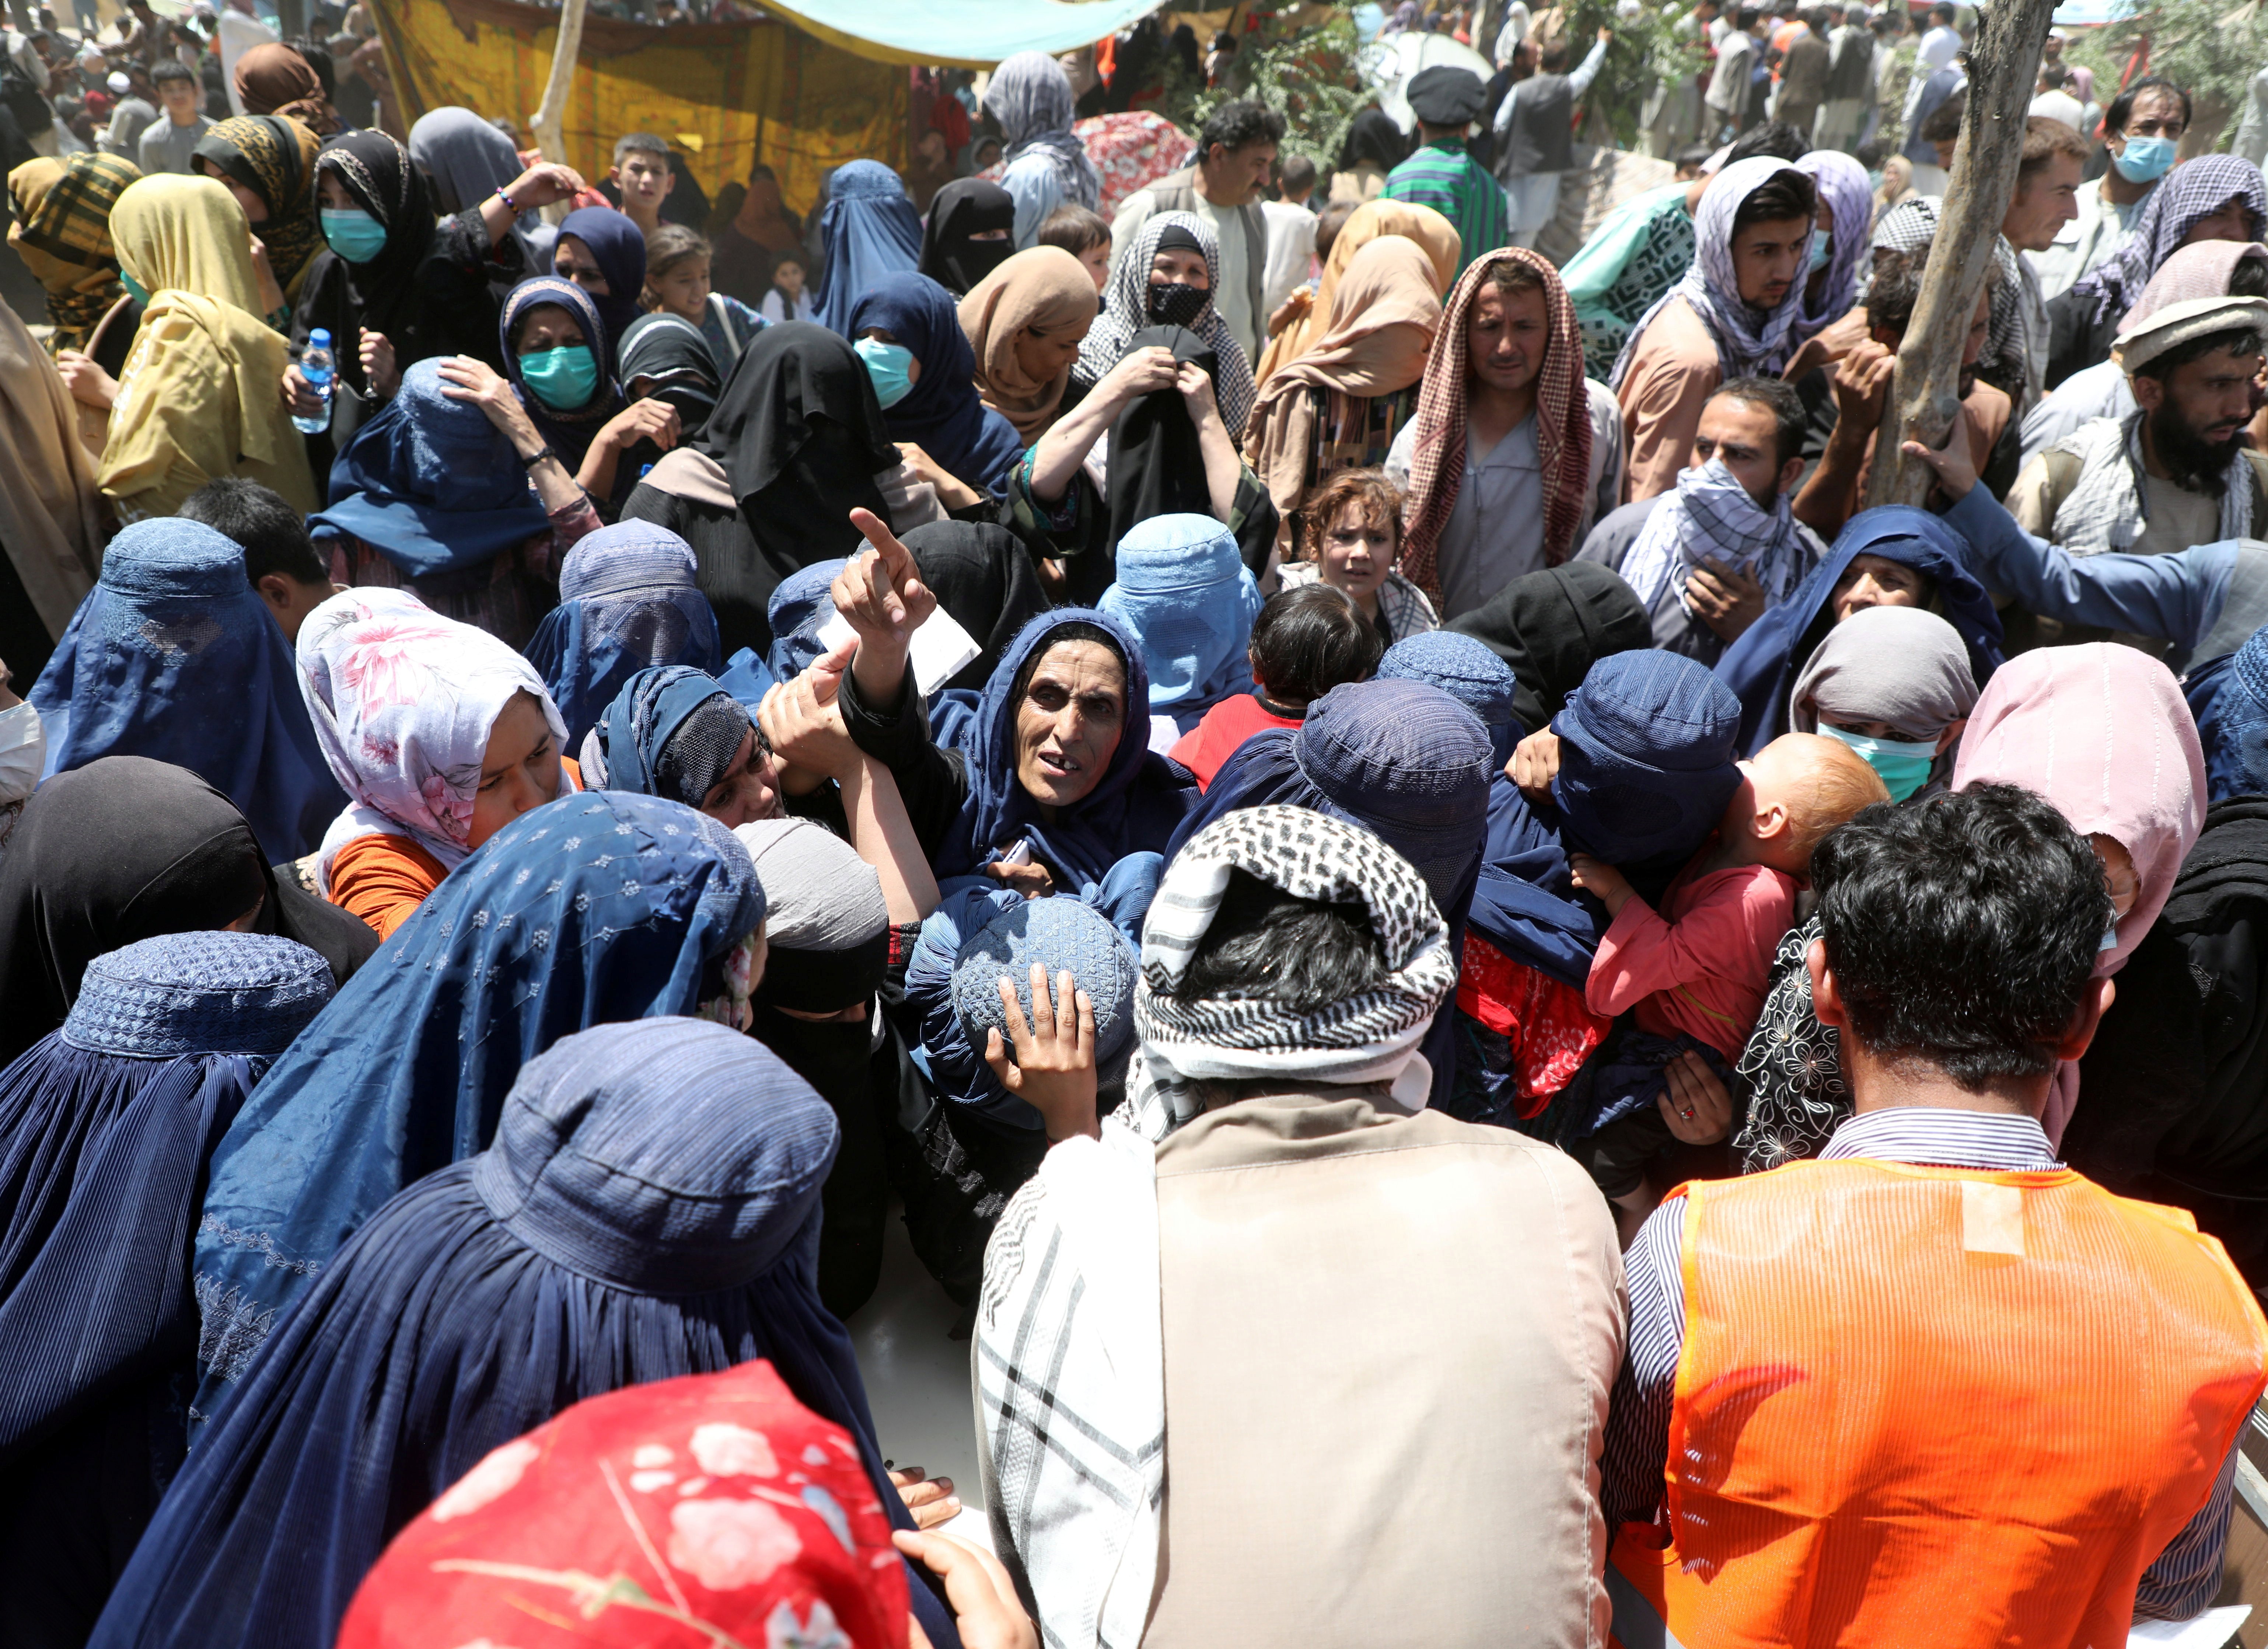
2177 472
1446 101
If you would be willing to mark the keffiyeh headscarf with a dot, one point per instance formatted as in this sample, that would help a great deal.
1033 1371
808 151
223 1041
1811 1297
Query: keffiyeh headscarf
1030 95
1910 226
1749 344
2192 190
61 230
1370 1037
273 156
1850 198
1563 424
1711 517
403 700
1126 311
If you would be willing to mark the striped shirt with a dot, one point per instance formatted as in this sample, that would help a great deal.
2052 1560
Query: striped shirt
1443 176
2185 1576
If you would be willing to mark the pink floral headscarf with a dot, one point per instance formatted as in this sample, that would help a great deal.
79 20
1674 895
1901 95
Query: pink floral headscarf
2100 731
403 700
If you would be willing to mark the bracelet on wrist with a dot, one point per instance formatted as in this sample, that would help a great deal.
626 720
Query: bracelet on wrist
507 200
537 457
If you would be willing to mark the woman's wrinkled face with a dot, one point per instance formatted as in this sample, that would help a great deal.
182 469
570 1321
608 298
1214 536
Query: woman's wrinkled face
520 770
547 327
1045 353
1178 265
1873 581
1069 722
255 210
1357 552
749 789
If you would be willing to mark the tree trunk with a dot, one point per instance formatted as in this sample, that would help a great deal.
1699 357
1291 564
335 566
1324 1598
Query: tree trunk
550 119
1925 398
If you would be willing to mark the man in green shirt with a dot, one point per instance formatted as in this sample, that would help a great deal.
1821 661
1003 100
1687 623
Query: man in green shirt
1446 101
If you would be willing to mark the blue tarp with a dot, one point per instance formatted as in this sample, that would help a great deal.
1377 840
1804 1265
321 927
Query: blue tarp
968 33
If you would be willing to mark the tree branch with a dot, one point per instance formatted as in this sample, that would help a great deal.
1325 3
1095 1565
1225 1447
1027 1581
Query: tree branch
1925 398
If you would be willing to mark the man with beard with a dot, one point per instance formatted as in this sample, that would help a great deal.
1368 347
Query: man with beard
2152 520
1707 557
1860 384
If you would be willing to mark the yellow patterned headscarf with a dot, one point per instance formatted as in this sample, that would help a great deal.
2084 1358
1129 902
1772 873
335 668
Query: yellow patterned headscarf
273 156
176 233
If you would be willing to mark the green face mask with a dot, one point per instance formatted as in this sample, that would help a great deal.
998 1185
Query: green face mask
562 379
135 289
353 233
1903 765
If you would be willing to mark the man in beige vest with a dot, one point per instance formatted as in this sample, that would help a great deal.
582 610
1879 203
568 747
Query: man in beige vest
1322 1368
1236 155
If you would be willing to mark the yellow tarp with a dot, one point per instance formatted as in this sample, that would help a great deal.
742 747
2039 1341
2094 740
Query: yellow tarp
750 91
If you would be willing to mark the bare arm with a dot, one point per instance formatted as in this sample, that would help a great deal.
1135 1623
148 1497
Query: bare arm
468 379
1064 446
883 836
542 184
1222 467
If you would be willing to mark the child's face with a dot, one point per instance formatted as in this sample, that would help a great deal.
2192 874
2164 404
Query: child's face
787 274
1357 552
643 178
684 290
1097 260
180 99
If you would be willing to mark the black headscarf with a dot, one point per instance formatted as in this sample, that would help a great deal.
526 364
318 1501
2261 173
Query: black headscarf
2170 1089
984 576
377 171
671 350
963 207
1373 137
126 848
1156 467
1552 626
800 438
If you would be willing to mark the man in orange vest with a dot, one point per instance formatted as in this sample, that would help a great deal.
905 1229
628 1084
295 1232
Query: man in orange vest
1932 1388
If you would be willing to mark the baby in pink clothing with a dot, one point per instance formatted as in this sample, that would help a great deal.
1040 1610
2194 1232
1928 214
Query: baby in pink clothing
1701 965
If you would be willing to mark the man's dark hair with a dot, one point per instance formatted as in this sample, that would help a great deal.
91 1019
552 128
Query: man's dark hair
1897 287
1234 125
1692 158
1746 18
1310 638
1962 931
1786 195
1554 58
1297 172
2045 139
1328 222
270 531
1265 944
2248 279
172 68
318 60
2052 76
2245 340
1779 397
1943 13
1776 138
1075 229
2122 106
1942 124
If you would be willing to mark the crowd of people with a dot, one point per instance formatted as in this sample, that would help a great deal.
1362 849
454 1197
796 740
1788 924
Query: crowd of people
1393 868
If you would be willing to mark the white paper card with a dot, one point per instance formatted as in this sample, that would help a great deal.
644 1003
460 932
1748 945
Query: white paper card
941 648
2209 1631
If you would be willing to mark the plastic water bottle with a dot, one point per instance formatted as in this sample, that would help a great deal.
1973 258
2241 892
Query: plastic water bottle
315 367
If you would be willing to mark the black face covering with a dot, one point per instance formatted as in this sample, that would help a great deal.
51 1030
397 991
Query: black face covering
837 1058
1176 303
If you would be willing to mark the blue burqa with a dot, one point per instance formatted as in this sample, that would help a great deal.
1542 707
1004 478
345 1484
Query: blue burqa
868 230
627 603
650 1208
173 655
598 908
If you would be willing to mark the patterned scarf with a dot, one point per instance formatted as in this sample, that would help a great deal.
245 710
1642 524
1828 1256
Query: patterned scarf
1911 225
1711 517
1850 199
1366 1038
1125 311
1747 347
273 156
1563 424
63 213
2192 190
2105 510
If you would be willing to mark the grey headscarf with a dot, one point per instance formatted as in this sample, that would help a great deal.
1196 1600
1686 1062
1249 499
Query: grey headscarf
819 895
1902 665
1030 95
468 161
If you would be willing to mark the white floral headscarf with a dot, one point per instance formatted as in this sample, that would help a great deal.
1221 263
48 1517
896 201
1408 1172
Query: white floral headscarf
403 700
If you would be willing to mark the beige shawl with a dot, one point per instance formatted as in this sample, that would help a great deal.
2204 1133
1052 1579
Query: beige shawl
1371 221
1383 315
52 519
1046 287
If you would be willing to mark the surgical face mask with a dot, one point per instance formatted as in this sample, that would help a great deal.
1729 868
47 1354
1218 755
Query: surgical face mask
135 289
562 379
2146 159
1177 303
1822 248
353 233
1903 765
891 367
2110 938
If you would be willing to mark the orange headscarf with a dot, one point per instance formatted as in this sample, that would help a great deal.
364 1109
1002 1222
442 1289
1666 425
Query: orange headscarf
1368 222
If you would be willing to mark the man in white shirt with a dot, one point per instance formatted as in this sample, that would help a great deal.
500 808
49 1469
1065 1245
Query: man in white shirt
241 30
2055 101
1942 44
1727 97
1236 151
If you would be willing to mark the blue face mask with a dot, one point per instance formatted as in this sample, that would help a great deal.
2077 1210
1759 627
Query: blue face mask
2110 938
1902 765
135 289
1822 246
891 367
353 233
562 379
2146 159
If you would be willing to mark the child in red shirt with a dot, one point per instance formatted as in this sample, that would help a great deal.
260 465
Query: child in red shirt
1305 641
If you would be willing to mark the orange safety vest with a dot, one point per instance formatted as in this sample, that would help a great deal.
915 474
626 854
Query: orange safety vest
1934 1407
